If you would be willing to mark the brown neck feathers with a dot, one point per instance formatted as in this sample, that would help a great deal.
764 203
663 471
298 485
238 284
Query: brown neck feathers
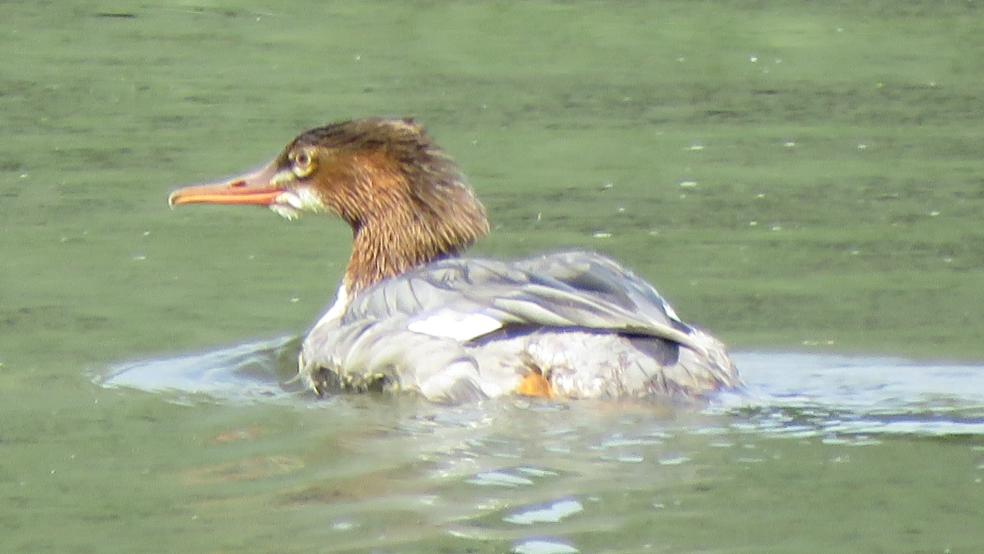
405 199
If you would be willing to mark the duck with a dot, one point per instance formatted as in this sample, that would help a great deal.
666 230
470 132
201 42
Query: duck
413 315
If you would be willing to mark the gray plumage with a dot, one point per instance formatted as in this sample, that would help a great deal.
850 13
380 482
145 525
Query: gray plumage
462 329
412 316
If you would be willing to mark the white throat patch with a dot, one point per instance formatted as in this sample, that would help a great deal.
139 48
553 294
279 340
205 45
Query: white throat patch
291 203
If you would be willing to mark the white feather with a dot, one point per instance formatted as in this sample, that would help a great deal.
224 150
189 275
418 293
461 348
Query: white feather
455 325
285 211
337 309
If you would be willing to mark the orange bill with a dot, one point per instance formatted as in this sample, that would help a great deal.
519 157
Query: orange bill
258 189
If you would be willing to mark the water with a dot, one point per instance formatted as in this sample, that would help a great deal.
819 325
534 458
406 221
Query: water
799 395
795 178
841 434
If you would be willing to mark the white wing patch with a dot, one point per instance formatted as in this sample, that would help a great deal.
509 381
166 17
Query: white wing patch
454 325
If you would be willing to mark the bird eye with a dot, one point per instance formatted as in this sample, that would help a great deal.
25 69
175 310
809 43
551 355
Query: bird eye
303 164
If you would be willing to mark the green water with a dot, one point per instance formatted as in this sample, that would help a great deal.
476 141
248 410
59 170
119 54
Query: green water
795 176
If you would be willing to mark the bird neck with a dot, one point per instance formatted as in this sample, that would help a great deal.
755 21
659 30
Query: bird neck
403 214
381 250
406 236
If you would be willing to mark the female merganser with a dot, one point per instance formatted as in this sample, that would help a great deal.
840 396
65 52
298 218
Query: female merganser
411 315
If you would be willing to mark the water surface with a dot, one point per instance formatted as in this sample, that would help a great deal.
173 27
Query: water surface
803 179
812 441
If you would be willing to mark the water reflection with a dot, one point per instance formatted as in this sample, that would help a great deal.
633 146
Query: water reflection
806 395
262 370
533 476
797 395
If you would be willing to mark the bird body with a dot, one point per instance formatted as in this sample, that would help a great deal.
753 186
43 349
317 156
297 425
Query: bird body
411 315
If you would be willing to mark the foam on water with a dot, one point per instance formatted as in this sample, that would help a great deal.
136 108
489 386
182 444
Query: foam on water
788 394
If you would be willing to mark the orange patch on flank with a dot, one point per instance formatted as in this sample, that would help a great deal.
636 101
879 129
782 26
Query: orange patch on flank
534 384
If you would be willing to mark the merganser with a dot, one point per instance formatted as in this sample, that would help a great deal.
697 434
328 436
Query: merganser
411 315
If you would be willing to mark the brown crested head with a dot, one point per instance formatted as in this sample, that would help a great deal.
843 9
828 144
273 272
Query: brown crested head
405 199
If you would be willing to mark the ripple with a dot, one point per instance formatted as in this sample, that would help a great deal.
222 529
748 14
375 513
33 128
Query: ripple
536 472
551 513
790 395
262 370
343 525
499 479
839 397
673 460
542 546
